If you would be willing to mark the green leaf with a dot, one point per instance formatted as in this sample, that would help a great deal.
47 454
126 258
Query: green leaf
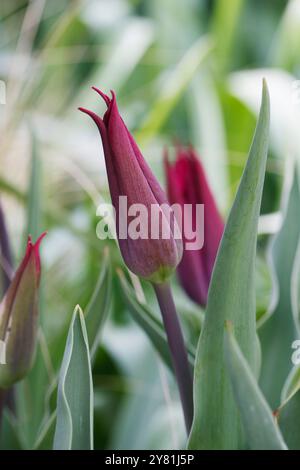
148 321
46 436
31 392
231 297
279 331
289 412
74 423
175 84
260 427
98 308
9 435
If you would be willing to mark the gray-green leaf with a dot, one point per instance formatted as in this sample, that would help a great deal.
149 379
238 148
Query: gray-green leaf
259 424
279 331
74 422
231 296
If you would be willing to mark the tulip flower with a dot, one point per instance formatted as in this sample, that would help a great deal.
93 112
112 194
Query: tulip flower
130 176
153 258
18 317
187 184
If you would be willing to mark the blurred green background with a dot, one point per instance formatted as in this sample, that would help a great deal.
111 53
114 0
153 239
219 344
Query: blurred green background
187 70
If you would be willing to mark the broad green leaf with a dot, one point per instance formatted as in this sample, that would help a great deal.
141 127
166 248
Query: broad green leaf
259 424
231 297
279 331
98 308
175 84
151 325
74 422
288 414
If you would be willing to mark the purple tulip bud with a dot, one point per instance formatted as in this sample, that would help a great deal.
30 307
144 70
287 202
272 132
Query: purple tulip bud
130 176
187 184
18 318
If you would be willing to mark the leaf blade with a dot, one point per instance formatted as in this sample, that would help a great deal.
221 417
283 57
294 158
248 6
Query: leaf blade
234 277
74 422
259 424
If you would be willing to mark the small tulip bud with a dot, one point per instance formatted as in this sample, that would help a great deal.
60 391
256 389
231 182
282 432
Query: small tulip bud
18 318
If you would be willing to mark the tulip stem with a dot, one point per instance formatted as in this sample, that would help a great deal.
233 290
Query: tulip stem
6 271
178 351
6 256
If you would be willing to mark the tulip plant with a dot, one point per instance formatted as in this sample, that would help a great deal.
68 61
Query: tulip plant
232 393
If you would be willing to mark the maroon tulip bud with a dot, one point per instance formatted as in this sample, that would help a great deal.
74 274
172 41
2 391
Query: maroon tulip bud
187 184
18 318
153 257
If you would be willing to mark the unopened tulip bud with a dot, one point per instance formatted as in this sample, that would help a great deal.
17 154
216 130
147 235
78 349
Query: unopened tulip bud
19 318
153 258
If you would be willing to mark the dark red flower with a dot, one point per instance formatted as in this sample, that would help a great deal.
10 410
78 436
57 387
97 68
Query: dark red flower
187 184
129 175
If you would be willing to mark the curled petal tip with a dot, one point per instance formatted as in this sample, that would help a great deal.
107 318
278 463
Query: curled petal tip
40 238
103 95
93 115
83 110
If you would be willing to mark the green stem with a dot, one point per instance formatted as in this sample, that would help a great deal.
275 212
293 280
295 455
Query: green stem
178 351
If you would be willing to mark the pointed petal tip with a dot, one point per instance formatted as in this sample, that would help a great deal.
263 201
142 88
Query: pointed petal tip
97 119
39 239
83 110
103 95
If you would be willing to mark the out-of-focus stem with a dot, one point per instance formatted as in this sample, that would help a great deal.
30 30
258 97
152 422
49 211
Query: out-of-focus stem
6 265
177 349
6 256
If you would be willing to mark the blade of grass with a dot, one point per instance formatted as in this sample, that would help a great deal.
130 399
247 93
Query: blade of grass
176 83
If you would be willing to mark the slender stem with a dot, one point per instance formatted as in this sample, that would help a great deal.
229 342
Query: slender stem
177 348
6 256
6 268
